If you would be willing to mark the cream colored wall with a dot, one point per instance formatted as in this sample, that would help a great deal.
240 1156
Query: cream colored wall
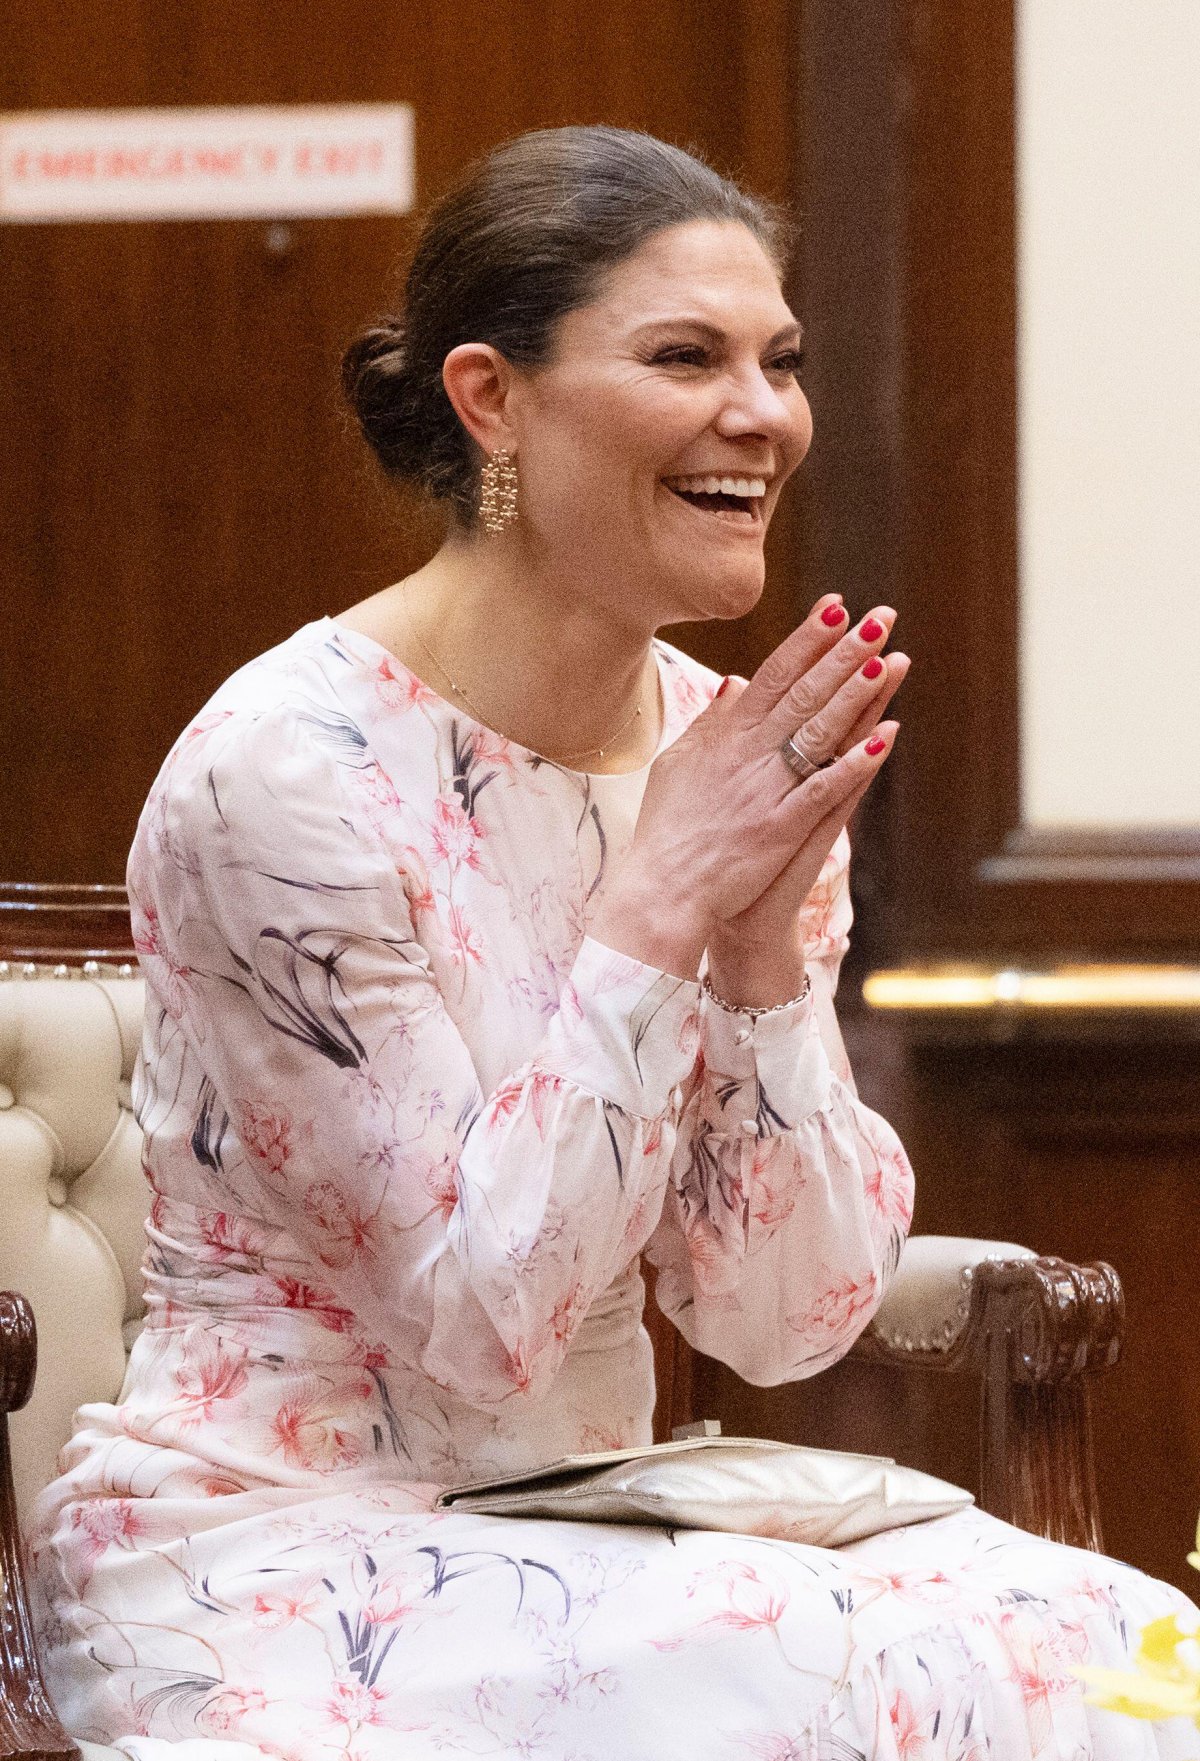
1108 142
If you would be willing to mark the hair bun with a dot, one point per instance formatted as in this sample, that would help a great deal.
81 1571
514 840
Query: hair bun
380 348
381 390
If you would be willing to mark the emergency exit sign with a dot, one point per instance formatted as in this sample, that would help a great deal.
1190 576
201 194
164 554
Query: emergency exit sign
223 163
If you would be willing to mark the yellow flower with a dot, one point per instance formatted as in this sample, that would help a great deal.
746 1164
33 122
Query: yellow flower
1166 1682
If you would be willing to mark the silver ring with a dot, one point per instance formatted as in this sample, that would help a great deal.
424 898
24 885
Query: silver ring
797 760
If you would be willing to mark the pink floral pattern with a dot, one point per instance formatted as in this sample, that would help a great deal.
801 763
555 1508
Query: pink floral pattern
409 1130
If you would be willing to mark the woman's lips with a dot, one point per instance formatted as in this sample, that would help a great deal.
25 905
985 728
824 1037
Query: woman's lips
730 510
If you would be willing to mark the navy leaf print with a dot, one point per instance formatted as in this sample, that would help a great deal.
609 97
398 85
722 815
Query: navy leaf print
339 735
296 998
603 843
468 784
442 1574
766 1116
391 1416
641 1018
710 1185
210 1127
305 886
373 1677
608 1108
182 1694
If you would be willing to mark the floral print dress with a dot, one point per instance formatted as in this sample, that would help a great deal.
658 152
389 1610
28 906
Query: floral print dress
409 1131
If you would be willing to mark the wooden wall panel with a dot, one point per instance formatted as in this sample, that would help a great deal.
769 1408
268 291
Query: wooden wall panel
182 487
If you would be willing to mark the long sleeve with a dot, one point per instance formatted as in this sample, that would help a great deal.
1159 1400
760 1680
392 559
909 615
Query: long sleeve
468 1231
789 1199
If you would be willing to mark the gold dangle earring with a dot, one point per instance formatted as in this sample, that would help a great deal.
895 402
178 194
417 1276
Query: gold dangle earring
498 492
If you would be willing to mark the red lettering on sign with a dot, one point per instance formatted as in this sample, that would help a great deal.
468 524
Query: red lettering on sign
337 159
230 163
102 165
120 164
66 165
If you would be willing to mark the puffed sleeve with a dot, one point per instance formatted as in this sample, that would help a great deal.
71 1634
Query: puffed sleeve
789 1199
469 1230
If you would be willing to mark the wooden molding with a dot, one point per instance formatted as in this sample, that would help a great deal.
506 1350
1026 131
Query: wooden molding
1099 1003
1135 857
50 922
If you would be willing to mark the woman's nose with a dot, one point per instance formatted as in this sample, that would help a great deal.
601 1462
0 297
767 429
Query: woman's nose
755 405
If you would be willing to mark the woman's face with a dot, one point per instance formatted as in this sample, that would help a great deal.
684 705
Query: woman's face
652 447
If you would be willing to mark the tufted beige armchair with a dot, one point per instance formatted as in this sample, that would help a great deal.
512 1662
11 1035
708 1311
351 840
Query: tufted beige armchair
74 1202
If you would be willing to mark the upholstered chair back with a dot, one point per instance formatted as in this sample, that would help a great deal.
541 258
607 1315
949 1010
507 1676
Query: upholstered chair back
73 1199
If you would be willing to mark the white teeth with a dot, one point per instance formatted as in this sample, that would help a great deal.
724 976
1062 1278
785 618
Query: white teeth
743 486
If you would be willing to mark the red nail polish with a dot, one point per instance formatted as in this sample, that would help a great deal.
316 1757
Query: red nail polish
722 687
873 668
871 631
874 747
833 615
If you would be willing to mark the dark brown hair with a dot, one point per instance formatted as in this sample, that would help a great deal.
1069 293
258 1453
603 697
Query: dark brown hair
522 240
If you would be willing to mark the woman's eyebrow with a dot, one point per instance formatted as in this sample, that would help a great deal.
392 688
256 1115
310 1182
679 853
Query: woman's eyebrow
789 333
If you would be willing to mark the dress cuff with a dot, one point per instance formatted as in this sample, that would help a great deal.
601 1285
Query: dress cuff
772 1068
624 1031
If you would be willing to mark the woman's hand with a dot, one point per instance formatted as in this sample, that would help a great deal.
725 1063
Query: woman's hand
724 817
757 958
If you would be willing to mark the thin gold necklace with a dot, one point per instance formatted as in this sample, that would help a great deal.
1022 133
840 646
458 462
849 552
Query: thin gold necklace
567 757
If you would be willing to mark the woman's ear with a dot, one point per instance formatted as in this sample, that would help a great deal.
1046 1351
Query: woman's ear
478 380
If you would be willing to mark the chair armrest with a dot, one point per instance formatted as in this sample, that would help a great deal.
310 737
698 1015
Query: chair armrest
1033 1329
29 1731
927 1307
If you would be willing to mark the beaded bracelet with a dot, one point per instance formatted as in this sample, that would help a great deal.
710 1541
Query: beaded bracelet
754 1013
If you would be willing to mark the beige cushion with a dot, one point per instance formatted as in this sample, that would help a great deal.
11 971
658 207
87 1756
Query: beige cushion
72 1192
928 1300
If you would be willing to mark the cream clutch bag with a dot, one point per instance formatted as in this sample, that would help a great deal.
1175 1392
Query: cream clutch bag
739 1485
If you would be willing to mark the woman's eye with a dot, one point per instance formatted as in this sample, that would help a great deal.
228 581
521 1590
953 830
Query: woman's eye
680 355
790 362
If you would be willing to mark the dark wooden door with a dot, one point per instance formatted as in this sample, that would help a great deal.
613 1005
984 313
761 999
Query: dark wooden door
181 488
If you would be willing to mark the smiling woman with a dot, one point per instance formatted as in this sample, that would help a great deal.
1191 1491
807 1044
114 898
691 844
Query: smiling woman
490 944
606 311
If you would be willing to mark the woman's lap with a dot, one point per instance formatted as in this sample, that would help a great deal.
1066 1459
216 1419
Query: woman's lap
358 1624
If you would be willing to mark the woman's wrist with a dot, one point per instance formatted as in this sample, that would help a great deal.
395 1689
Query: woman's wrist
637 919
755 977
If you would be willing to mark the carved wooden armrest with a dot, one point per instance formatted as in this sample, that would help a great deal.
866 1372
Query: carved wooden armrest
1033 1329
29 1731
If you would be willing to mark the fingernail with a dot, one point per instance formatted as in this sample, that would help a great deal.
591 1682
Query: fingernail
875 746
833 615
873 668
722 687
871 631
